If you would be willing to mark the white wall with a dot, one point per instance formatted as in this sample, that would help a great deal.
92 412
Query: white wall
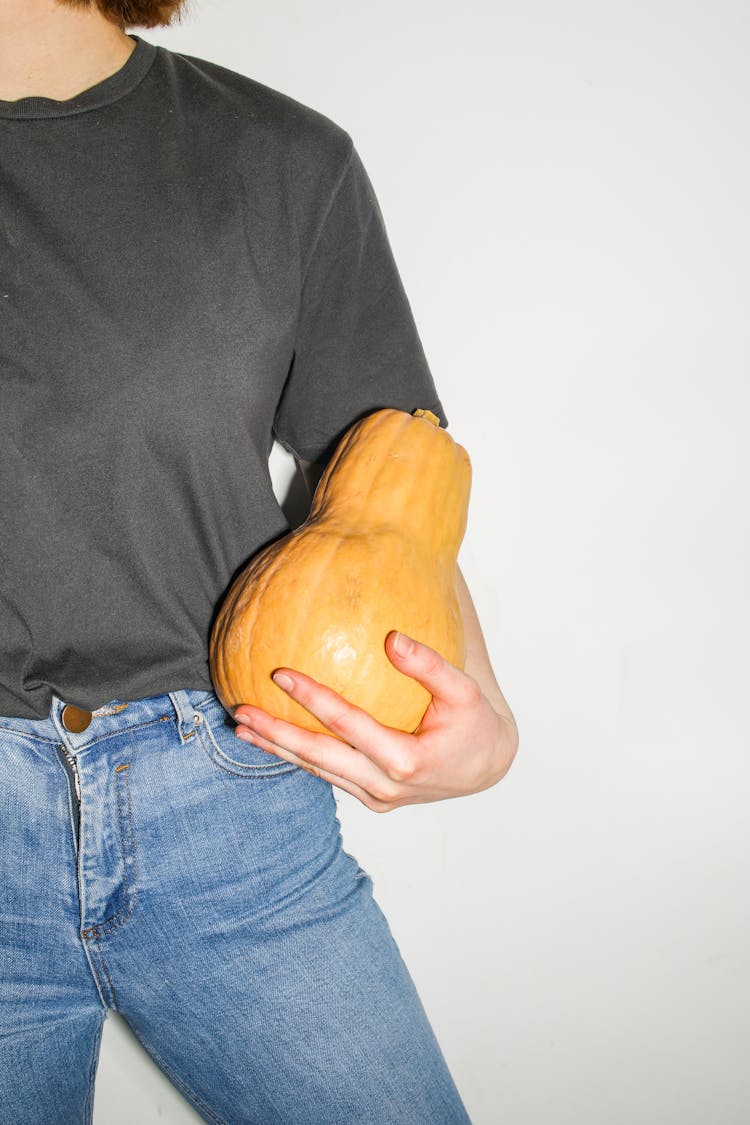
566 188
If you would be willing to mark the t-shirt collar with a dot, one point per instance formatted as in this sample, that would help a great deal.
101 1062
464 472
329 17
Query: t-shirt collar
102 93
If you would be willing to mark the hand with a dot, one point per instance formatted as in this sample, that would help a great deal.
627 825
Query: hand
461 746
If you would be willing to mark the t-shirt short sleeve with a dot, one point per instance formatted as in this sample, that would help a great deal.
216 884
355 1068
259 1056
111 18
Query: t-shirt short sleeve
356 348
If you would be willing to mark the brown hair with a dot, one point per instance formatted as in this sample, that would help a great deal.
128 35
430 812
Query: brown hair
134 13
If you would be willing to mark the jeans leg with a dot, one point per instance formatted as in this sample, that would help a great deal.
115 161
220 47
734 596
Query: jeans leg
256 967
51 1014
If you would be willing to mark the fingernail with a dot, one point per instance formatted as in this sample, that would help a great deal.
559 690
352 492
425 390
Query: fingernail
242 719
245 734
401 644
284 681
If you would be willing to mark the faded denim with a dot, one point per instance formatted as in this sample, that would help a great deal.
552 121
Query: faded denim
204 894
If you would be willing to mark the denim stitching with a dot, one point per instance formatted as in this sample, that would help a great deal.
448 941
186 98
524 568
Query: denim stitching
54 741
125 730
241 770
28 734
110 709
104 713
215 702
101 929
238 769
108 977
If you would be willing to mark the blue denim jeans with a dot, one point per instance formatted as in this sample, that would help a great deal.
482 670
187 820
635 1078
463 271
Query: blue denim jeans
199 888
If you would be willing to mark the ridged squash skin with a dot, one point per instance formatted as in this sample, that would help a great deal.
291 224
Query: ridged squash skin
378 552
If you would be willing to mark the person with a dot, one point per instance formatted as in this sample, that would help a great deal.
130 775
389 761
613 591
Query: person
192 266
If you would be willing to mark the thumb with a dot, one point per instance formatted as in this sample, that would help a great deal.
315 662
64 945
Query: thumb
441 678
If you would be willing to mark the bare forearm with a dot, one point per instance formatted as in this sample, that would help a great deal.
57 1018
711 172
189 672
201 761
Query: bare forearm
478 664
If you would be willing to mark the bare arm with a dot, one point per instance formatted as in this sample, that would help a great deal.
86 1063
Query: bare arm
478 664
466 742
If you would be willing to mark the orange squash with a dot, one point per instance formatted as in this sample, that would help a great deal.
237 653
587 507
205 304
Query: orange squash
377 552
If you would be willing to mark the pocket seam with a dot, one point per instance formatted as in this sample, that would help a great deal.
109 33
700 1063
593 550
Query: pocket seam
239 769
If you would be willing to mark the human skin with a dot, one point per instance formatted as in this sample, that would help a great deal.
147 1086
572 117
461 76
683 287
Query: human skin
465 743
51 50
468 738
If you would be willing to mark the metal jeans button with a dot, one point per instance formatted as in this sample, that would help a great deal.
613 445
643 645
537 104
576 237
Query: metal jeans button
75 719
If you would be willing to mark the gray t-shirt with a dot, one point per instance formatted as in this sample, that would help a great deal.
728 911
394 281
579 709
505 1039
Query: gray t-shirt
191 265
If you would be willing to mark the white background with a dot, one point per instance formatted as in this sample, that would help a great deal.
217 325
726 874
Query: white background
566 189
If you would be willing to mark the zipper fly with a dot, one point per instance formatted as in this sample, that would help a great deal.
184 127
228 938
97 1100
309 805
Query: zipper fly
71 766
74 770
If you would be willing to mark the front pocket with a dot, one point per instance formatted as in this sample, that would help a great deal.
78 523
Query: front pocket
232 754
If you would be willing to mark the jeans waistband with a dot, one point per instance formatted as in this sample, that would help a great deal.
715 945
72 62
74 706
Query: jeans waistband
117 715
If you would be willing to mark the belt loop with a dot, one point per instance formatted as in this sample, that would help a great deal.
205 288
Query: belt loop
186 714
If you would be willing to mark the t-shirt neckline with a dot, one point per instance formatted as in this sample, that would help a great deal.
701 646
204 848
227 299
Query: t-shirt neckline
109 90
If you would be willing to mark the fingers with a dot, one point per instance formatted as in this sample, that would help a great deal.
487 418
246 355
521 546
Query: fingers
374 757
377 804
350 723
315 749
442 679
